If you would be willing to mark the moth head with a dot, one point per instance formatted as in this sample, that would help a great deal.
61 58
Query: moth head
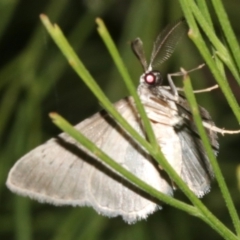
151 78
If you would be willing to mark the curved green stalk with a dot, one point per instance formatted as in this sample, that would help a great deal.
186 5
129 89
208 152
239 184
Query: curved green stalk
195 35
205 140
132 89
227 30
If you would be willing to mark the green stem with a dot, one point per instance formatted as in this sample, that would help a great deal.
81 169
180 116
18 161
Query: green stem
227 30
222 51
194 34
80 69
227 92
220 179
204 9
132 89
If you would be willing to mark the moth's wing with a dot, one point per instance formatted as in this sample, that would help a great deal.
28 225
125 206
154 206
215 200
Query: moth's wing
196 168
62 172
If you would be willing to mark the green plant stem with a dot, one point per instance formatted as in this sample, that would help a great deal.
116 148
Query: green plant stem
132 89
205 12
194 34
220 179
227 30
79 68
221 50
204 9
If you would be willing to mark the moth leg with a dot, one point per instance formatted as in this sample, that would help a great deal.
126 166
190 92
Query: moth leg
172 85
209 89
178 74
219 130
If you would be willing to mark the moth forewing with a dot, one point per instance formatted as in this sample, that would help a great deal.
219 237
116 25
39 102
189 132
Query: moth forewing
61 172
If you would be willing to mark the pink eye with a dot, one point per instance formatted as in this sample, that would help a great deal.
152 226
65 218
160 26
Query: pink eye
150 78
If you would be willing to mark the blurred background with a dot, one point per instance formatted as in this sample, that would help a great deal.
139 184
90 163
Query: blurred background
35 79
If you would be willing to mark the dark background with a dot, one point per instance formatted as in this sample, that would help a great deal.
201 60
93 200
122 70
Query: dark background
35 80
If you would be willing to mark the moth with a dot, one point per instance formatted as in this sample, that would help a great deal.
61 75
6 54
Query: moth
62 172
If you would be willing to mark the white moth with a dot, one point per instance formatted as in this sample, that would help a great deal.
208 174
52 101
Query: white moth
62 172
